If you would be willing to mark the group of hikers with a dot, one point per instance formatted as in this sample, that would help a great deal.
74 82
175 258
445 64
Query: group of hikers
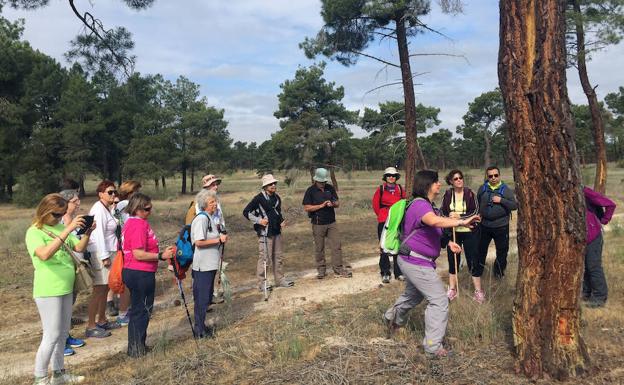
60 241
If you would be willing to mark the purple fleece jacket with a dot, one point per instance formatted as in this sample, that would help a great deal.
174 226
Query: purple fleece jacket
593 200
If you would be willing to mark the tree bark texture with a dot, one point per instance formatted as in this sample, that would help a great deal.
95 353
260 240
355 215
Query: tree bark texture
551 213
413 154
597 122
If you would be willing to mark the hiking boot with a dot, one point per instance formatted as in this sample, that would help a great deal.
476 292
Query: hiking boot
41 381
123 320
479 296
401 277
261 288
343 273
385 278
63 377
391 326
440 353
108 325
286 283
111 309
74 342
320 274
97 332
593 304
68 351
451 293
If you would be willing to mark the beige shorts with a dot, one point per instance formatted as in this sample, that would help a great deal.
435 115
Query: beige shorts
100 272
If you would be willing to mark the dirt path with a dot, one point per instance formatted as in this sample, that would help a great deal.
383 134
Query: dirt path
170 321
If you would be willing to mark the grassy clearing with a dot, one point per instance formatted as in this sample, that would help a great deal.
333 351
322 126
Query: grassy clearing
336 342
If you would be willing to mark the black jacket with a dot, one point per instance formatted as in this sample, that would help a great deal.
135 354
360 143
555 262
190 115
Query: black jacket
265 206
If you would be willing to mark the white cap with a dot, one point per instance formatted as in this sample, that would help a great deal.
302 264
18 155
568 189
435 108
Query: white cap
268 179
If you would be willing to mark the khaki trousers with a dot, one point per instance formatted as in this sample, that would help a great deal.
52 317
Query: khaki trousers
274 259
328 234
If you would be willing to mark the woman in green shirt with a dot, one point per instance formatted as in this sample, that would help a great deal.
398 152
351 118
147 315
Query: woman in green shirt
48 242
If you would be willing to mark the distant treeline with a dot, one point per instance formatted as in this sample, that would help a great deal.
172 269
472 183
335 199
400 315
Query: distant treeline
61 123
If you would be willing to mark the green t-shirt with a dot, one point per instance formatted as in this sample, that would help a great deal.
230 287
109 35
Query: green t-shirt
55 276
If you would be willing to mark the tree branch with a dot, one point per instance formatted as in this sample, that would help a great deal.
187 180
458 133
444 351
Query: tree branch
96 27
375 58
441 54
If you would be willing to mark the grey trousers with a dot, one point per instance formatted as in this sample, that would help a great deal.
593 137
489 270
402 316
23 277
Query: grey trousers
422 283
328 234
274 259
55 313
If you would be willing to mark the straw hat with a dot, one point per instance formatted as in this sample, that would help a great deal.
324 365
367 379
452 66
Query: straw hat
209 179
268 179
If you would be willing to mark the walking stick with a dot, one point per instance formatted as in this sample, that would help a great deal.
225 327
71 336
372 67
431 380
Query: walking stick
179 281
456 267
222 251
266 256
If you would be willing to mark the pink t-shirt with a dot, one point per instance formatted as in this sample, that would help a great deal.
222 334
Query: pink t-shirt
138 234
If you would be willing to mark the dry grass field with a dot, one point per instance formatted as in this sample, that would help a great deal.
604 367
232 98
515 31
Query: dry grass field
319 332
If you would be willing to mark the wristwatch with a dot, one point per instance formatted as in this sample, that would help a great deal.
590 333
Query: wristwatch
160 254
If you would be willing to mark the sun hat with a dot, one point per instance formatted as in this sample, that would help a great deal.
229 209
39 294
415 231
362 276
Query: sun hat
268 179
209 179
391 171
320 175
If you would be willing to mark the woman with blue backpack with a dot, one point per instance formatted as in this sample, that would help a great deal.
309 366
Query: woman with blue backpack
207 239
420 246
141 255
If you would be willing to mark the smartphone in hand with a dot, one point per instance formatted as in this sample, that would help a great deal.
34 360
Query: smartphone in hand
88 223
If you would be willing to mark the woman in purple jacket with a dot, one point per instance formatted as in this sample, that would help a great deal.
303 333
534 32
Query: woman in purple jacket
420 247
599 211
461 202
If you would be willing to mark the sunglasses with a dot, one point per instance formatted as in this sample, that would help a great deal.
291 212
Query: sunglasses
112 192
148 209
458 178
392 175
272 184
58 215
492 176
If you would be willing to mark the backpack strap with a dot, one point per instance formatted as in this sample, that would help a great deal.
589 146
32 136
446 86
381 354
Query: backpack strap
381 190
207 216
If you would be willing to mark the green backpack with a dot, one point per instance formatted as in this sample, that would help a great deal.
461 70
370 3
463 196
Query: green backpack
390 240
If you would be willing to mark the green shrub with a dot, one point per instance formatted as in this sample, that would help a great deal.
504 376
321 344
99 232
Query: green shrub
34 185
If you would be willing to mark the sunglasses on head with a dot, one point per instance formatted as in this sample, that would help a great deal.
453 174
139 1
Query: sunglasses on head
492 176
458 178
112 192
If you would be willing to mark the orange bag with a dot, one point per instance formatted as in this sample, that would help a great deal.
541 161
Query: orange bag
115 281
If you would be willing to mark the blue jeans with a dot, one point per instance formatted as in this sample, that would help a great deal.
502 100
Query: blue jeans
142 285
594 282
203 287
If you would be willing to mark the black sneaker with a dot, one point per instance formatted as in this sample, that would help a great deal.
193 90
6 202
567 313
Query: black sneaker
385 278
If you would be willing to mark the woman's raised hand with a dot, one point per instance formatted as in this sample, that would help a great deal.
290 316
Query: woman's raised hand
77 222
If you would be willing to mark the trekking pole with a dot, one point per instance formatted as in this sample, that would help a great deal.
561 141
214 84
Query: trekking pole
266 256
222 251
179 281
456 267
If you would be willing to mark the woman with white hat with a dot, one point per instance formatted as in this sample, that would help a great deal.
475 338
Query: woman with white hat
385 196
265 211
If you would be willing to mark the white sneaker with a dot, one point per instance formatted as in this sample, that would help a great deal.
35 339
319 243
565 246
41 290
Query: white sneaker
41 381
66 378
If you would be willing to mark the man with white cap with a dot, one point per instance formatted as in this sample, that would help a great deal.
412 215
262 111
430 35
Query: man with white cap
385 196
319 202
265 211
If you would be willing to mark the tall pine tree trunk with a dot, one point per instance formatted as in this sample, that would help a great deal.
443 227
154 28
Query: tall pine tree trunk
487 157
551 213
594 108
164 183
413 154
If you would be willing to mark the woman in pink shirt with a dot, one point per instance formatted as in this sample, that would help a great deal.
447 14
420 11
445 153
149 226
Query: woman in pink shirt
141 256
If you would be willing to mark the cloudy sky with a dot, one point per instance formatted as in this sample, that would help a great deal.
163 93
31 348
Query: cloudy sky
239 51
